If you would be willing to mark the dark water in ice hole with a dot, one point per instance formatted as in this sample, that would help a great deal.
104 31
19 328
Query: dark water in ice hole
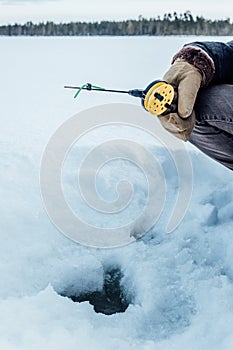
108 301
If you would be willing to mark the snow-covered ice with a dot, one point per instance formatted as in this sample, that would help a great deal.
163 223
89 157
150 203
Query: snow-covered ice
179 286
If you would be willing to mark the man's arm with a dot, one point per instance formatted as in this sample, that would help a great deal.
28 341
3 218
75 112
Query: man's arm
196 65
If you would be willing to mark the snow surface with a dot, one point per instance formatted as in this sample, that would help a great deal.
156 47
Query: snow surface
180 286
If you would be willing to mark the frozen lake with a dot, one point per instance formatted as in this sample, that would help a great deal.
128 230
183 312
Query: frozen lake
179 287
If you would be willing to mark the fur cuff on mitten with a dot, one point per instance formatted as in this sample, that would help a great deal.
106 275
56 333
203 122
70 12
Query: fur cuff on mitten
199 59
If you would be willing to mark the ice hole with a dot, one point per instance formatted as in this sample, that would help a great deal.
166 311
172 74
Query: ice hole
110 300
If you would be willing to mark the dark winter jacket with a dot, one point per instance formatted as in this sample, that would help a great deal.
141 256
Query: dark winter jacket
213 59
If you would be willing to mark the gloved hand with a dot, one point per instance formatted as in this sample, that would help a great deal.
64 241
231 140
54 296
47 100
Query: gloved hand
187 79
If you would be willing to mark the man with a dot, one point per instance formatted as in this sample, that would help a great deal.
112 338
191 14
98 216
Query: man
203 75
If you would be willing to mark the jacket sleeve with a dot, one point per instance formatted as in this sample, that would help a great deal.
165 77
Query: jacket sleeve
213 59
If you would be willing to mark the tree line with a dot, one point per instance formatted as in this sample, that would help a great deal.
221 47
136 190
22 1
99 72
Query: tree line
169 24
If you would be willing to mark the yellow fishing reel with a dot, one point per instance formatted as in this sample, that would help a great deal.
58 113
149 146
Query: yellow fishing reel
157 97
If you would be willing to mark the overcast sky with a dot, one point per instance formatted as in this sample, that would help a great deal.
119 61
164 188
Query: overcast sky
20 11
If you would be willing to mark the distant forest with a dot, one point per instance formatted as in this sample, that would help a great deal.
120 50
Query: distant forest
169 24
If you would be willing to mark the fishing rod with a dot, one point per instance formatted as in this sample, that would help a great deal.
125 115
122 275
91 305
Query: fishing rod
156 98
